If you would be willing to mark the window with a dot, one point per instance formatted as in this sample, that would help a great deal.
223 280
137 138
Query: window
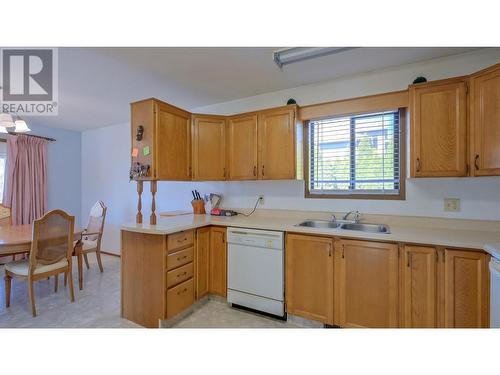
357 156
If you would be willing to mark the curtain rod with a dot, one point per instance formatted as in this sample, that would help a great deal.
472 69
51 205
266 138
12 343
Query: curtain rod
29 135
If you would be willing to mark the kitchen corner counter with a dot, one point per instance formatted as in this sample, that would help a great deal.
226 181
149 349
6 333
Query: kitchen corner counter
414 234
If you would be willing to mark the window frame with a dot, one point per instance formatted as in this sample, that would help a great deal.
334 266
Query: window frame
349 195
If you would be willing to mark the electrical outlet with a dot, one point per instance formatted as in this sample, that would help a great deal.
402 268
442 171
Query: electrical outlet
451 204
261 199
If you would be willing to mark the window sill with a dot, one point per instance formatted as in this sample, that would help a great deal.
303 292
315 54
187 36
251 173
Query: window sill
401 196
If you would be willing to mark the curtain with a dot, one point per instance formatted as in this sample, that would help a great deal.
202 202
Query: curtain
25 189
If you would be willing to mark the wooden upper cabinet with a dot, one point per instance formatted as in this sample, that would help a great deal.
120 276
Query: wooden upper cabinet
485 122
419 287
173 143
309 277
166 140
218 262
209 148
367 284
277 144
466 291
242 147
439 128
143 114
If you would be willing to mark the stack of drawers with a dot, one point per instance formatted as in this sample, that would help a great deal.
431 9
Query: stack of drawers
180 271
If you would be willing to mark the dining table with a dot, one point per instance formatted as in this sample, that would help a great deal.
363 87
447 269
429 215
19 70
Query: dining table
16 239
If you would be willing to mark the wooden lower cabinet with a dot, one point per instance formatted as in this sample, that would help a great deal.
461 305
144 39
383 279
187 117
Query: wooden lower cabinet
157 279
218 262
367 284
180 297
143 278
446 288
419 287
309 277
466 289
348 283
202 261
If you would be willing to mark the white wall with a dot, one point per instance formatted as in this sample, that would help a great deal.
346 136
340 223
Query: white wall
105 168
105 161
63 169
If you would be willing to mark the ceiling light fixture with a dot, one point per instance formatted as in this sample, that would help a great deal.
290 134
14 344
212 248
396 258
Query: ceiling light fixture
3 130
6 120
21 126
290 55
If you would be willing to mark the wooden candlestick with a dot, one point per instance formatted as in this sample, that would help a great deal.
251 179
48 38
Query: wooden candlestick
138 217
152 219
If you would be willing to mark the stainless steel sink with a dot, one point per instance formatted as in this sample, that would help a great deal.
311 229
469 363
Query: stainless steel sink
341 224
372 228
319 224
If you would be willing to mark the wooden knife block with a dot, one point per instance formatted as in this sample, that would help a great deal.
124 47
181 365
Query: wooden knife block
198 206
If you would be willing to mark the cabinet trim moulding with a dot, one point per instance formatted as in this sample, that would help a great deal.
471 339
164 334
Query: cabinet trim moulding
362 104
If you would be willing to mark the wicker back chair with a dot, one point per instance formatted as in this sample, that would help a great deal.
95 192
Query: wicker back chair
50 255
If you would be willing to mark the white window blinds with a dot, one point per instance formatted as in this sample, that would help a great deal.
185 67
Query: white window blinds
357 154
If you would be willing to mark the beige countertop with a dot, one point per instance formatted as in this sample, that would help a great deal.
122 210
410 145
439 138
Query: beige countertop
431 231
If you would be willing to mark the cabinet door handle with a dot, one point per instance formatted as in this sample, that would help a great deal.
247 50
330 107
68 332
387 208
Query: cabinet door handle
418 164
343 251
408 260
255 170
476 159
330 250
262 169
224 172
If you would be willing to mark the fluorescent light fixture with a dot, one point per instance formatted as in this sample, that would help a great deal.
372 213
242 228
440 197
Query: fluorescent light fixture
6 120
21 126
290 55
3 130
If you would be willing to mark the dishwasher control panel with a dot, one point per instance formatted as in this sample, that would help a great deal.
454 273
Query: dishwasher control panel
255 237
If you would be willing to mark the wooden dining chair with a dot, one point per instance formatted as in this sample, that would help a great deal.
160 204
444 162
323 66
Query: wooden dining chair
92 235
50 255
5 219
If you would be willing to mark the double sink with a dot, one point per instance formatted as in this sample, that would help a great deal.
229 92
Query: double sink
371 228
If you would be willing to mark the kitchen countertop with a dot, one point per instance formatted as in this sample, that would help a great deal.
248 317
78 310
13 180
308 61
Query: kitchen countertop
460 238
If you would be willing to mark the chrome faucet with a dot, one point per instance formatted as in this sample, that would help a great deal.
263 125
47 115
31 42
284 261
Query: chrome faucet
333 218
356 216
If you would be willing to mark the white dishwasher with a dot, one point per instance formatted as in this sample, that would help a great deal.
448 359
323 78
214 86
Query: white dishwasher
494 250
495 293
255 270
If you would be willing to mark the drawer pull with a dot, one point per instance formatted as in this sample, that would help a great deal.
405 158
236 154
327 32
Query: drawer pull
185 239
181 258
182 291
182 274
